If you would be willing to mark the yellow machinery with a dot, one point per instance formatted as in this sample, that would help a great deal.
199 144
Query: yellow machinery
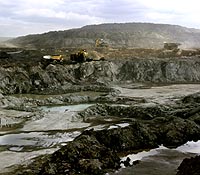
100 43
83 56
53 58
80 56
171 46
57 57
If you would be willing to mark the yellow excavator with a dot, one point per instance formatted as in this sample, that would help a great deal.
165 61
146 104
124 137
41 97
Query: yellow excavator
80 56
83 56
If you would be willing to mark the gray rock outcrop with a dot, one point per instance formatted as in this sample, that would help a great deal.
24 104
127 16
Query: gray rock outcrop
59 78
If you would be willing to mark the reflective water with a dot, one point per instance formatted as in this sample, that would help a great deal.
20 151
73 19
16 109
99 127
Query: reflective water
40 134
35 140
142 154
189 147
16 141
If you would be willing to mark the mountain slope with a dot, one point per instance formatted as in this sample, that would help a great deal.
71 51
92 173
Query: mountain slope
146 35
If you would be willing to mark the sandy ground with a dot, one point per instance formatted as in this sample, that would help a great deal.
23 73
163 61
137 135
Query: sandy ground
161 94
55 121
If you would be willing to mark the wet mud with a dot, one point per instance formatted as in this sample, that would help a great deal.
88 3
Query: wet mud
130 120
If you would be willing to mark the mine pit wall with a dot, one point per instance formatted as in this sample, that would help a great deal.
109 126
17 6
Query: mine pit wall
161 70
62 77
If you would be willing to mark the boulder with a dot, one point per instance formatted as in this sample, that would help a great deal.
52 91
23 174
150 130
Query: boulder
189 166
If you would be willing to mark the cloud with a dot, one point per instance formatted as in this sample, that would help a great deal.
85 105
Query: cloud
181 12
27 16
120 10
177 6
22 17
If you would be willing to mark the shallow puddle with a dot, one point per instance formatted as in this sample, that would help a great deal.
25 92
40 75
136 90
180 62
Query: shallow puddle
159 161
189 147
58 118
141 155
35 140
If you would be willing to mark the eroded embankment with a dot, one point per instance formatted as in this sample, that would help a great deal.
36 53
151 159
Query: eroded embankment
65 78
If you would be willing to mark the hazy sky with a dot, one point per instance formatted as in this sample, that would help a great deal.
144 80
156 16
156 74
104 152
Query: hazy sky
21 17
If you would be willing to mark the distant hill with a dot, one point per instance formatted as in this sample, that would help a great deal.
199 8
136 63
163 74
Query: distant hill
145 35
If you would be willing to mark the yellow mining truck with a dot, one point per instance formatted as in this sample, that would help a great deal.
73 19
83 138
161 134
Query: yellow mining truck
171 46
99 42
170 49
53 58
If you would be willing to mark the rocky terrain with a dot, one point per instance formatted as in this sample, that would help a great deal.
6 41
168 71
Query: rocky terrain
131 104
40 78
126 128
189 166
132 35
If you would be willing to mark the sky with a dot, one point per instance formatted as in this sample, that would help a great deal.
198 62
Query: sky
22 17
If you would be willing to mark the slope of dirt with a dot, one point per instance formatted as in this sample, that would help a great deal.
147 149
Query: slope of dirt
142 35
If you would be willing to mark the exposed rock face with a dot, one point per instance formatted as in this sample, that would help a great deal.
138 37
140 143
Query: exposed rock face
189 166
14 80
101 71
170 129
60 78
175 131
86 155
53 77
194 98
156 70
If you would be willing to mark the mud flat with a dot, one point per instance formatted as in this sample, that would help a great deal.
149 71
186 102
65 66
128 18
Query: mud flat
159 94
93 137
27 135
